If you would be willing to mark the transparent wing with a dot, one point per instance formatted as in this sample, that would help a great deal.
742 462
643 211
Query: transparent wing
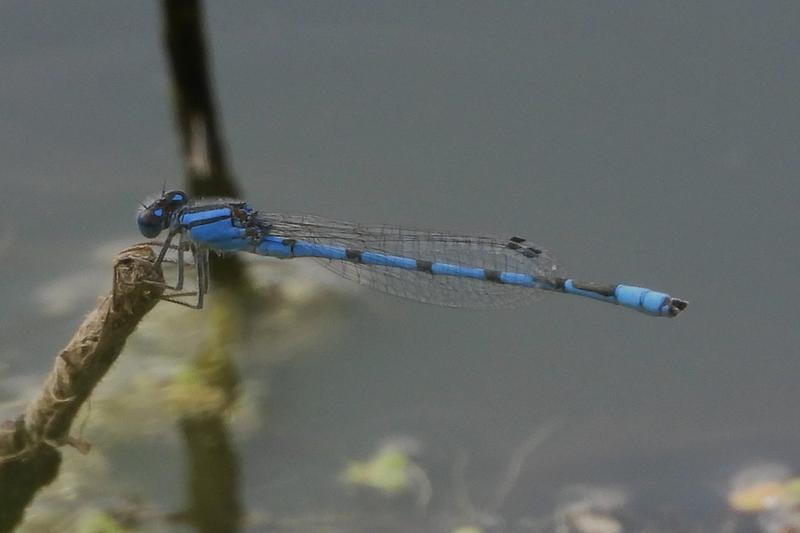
511 254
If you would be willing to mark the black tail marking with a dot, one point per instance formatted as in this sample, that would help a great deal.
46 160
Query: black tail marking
492 275
425 266
353 255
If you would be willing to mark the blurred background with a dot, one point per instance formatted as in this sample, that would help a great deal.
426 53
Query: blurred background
649 143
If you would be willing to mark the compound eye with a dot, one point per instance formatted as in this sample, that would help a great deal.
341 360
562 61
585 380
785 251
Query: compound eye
151 222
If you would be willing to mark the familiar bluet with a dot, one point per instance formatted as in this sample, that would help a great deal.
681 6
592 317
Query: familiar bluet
428 266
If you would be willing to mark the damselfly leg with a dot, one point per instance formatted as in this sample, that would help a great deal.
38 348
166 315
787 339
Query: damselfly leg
200 259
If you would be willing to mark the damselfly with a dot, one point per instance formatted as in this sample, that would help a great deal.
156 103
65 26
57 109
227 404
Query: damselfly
429 266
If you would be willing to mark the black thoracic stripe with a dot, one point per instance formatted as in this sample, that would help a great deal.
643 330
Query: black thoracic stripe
353 255
599 288
517 239
530 252
205 221
201 208
425 266
513 246
492 275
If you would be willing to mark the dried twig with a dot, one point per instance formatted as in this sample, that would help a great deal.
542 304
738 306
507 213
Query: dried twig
29 458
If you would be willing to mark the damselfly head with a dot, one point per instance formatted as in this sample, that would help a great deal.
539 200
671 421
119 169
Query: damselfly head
156 216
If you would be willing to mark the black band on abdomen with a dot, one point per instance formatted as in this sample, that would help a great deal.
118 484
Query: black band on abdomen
492 275
353 255
425 266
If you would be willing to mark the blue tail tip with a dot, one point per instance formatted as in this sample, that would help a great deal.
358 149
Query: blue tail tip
648 301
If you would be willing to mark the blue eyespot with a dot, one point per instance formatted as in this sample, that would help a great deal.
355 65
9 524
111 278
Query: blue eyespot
159 212
176 198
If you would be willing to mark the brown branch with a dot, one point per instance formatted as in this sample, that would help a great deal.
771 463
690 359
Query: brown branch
29 458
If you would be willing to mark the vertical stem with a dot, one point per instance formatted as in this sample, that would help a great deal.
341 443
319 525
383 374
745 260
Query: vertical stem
195 105
214 470
202 145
